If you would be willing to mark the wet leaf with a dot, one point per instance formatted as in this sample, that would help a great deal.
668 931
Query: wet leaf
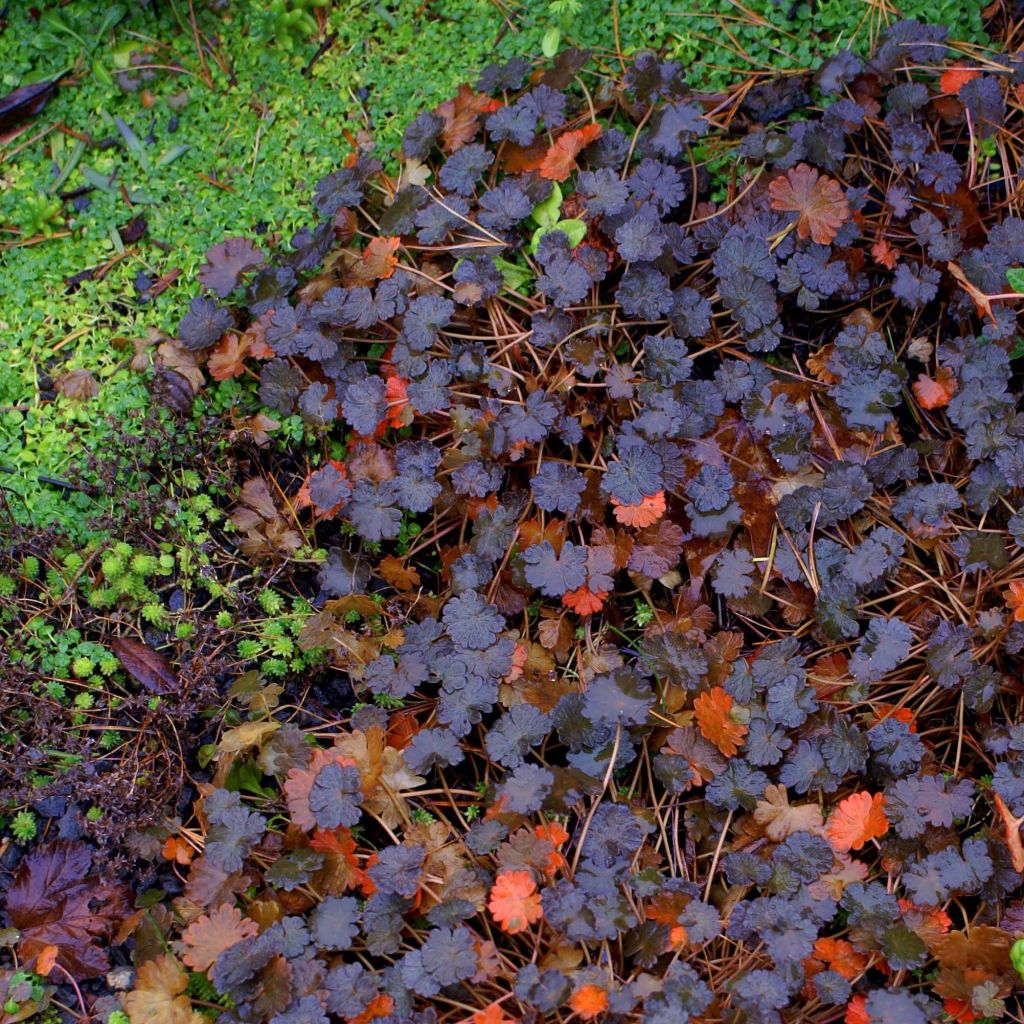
149 668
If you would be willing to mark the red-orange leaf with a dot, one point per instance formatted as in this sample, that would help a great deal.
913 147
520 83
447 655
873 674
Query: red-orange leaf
645 513
208 936
515 902
954 79
583 602
855 1012
711 710
818 201
589 1001
1015 599
858 819
839 955
560 160
491 1014
935 393
882 252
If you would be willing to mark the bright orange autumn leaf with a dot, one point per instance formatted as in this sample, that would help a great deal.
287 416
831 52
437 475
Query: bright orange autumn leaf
514 901
46 960
583 601
960 1010
711 711
954 79
380 1006
839 955
1015 599
935 393
491 1014
589 1001
560 160
855 1012
644 513
858 819
818 201
553 833
395 392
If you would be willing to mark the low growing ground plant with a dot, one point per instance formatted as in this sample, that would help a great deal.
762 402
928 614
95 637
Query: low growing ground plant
631 481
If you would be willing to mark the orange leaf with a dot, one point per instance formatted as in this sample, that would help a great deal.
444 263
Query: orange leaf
583 602
226 360
929 924
711 710
515 902
1012 826
954 79
208 936
933 394
1015 599
177 850
396 391
883 253
589 1001
645 513
857 819
855 1012
380 1006
840 956
46 960
819 202
398 574
560 160
960 1010
378 260
491 1014
553 832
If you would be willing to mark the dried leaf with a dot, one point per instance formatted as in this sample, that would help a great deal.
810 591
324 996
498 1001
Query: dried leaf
78 385
818 201
560 160
644 513
781 820
246 735
159 994
208 936
54 901
227 358
149 668
589 1001
398 574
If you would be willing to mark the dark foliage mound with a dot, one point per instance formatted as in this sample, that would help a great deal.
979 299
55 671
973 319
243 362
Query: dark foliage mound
669 472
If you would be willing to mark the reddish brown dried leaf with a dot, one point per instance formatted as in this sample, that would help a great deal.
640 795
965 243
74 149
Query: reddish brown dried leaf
208 936
818 201
55 901
149 668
